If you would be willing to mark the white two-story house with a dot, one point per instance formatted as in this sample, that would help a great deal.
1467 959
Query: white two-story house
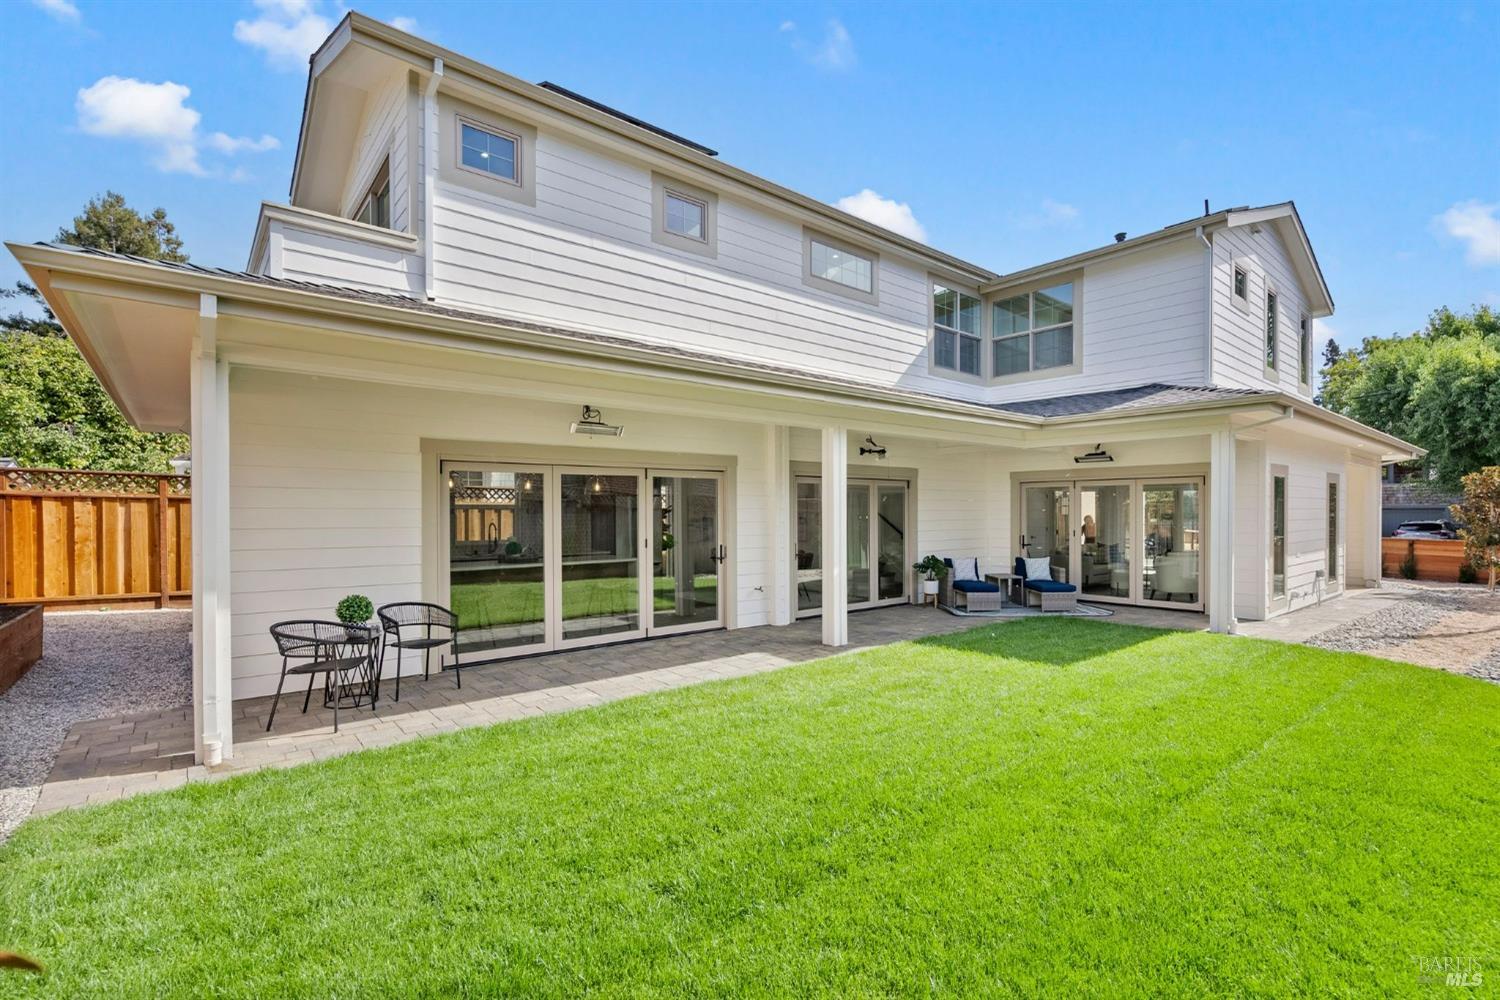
511 351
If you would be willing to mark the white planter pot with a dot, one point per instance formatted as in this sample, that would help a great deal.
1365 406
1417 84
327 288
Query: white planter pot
929 587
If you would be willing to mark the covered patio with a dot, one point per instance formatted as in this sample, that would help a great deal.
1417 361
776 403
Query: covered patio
110 758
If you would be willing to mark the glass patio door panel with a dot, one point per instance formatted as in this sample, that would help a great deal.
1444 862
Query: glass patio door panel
809 557
1105 533
686 552
600 554
497 557
1046 526
890 542
1171 569
859 532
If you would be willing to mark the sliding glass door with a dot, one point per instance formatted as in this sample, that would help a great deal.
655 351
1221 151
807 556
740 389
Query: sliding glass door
877 558
686 553
600 557
550 557
1136 541
497 557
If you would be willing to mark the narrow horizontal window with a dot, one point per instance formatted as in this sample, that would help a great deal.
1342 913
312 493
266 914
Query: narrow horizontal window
842 267
494 153
686 216
956 336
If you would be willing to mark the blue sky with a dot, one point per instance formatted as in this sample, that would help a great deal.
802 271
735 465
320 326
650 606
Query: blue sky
1012 134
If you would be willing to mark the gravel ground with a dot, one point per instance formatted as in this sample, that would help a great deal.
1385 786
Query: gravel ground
1403 622
94 664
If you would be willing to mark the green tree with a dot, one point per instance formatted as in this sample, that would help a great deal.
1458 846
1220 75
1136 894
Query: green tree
53 411
1438 388
1480 516
107 223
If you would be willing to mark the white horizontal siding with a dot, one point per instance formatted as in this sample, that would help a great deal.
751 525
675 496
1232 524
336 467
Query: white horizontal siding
1143 320
352 263
1239 332
382 133
1308 464
583 257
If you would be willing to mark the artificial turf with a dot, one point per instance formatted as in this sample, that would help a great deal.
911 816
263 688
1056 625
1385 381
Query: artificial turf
1045 807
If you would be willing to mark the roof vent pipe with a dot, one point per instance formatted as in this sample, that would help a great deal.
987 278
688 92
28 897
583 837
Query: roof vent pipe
1119 237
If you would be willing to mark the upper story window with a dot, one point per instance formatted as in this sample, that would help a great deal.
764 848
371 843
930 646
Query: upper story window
837 267
1033 331
685 216
490 151
843 267
956 336
1306 350
1241 284
1271 330
375 208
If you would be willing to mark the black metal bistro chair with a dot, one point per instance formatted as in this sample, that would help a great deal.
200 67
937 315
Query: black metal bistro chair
417 626
332 649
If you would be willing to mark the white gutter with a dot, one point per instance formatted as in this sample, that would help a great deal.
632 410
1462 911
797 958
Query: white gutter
430 171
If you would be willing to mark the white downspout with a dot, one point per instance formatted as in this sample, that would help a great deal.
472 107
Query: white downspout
429 171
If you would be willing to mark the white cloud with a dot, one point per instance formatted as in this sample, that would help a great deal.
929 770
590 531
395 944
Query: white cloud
1050 214
893 215
157 116
1477 226
406 24
230 145
287 31
834 52
60 10
1323 332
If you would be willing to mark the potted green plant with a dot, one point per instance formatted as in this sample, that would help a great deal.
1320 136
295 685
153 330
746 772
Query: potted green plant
932 569
354 611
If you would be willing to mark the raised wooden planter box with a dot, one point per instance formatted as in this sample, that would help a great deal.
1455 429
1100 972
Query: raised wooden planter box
20 641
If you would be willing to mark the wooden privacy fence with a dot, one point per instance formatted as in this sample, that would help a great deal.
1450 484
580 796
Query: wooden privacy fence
75 539
1437 558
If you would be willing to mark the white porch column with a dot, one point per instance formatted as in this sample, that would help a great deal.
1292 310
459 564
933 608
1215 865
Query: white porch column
1221 538
1365 488
780 590
835 536
213 728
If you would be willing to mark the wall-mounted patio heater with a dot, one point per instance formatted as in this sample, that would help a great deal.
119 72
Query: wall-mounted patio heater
1094 457
590 422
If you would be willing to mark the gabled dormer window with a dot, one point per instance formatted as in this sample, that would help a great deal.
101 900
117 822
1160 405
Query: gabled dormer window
375 207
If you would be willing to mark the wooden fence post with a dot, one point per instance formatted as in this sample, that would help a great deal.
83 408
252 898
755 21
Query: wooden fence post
161 541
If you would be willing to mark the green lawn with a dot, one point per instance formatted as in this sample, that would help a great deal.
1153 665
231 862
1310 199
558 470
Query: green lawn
507 603
1061 806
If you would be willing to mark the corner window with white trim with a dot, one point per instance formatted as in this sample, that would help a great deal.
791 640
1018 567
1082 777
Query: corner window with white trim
1271 332
375 207
491 151
956 337
838 268
1034 331
1305 351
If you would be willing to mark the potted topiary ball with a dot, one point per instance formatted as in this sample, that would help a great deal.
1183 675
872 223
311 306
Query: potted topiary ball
355 611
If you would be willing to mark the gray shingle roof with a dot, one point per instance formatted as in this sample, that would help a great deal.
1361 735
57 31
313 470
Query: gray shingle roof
1154 394
1141 397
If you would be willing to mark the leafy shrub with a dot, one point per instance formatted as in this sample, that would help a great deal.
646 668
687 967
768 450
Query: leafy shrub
1409 564
1467 573
355 609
